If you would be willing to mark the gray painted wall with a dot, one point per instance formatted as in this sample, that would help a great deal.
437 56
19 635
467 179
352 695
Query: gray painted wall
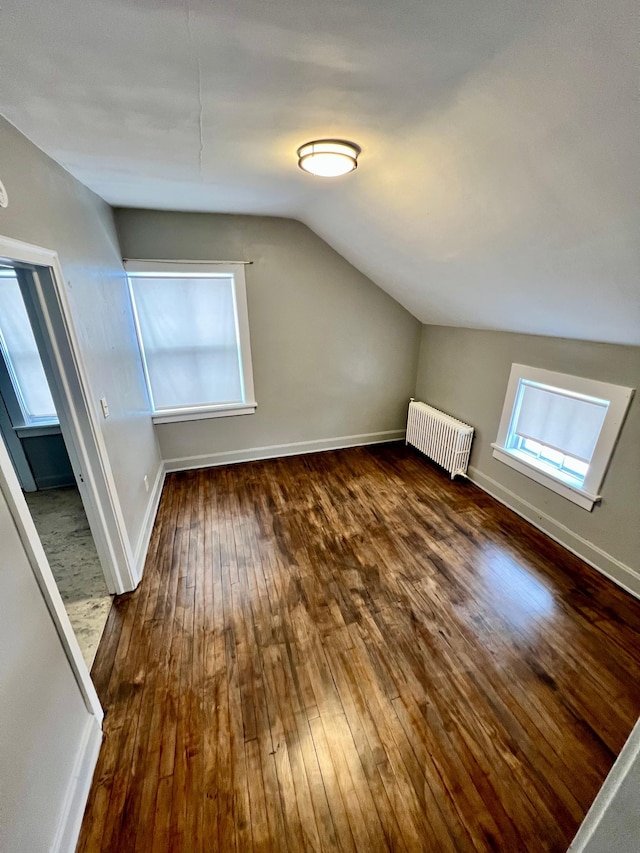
333 355
42 714
49 208
465 372
49 461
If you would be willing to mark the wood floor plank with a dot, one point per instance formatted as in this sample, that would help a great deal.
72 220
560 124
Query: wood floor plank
347 651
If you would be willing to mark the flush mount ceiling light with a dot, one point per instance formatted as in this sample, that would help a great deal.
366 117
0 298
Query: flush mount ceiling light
328 158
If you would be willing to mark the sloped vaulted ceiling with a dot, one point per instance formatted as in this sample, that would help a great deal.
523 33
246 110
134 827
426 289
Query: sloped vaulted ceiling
500 174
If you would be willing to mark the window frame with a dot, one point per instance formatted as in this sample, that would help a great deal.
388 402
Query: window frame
10 386
204 269
619 399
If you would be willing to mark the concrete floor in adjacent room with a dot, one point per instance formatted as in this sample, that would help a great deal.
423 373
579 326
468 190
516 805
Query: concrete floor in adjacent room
62 525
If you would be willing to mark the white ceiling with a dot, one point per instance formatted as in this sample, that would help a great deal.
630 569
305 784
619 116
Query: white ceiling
498 184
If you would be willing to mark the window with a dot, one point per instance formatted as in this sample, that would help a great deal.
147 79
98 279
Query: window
561 430
27 396
193 331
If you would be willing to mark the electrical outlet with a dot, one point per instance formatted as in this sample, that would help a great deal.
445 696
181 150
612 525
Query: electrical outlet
104 407
146 482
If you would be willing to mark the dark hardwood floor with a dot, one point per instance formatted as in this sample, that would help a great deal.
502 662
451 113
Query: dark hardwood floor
346 651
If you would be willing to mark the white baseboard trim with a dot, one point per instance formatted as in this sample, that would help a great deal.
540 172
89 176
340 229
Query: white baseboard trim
252 454
142 546
75 800
605 563
624 764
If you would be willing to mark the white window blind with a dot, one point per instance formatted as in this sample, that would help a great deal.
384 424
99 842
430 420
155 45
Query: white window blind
193 333
21 354
566 423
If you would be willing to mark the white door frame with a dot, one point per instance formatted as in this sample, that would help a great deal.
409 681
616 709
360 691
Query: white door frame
77 414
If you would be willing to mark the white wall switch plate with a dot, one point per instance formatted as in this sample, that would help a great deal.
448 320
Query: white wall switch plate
104 407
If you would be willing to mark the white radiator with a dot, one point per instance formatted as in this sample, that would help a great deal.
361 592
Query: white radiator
440 437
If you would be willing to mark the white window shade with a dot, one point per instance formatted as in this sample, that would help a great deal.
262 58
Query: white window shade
190 340
194 338
566 423
21 354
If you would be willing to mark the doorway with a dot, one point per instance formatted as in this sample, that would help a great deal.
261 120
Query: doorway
30 428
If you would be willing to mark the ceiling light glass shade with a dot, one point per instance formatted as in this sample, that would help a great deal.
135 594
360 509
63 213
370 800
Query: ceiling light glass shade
328 158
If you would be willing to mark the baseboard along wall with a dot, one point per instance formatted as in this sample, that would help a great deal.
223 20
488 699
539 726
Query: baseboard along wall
142 545
66 837
252 454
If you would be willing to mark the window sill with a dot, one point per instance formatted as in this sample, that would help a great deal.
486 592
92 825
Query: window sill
171 416
37 430
572 493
